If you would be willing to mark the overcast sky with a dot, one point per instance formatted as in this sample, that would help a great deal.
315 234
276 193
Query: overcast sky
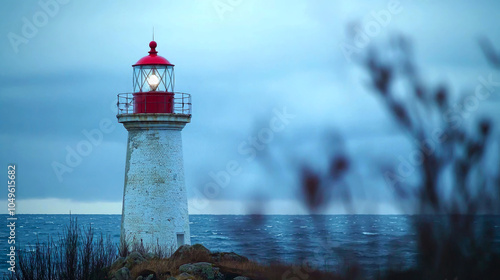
244 62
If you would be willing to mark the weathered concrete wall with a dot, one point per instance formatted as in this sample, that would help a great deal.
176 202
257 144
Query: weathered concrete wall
155 207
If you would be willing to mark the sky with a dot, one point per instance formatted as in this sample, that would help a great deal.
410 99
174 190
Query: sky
244 63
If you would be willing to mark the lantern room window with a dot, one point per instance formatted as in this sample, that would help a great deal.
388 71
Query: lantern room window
153 78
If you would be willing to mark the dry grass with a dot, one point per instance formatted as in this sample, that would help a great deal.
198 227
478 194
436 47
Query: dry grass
260 271
77 254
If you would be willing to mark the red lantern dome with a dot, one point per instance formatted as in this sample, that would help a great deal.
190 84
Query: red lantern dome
153 58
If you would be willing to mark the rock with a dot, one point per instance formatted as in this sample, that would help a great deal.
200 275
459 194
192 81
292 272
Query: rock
185 251
184 276
133 259
171 278
231 256
241 278
122 274
148 274
181 251
203 269
117 264
192 268
139 278
199 247
150 256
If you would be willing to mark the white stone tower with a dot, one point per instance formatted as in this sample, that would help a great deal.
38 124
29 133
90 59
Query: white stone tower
155 210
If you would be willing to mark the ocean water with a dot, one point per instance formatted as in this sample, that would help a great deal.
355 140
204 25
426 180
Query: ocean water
372 241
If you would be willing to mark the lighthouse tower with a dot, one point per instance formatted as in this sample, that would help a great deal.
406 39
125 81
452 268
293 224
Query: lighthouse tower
155 210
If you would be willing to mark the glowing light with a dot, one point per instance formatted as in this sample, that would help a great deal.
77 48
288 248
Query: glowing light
153 81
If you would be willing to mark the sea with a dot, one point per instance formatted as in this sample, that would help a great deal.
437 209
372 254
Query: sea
330 242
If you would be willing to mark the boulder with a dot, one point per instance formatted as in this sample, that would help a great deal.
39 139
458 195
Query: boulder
133 259
118 263
148 274
150 256
200 248
182 250
204 270
187 251
122 274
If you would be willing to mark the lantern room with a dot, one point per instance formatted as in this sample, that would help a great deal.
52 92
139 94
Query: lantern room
153 73
153 83
153 88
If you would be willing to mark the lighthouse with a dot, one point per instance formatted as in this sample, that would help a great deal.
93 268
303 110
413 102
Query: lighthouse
155 209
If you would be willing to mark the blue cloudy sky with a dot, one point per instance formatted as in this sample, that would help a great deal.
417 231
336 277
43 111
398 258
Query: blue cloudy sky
244 62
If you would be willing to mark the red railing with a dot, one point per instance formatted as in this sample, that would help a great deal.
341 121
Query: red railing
150 102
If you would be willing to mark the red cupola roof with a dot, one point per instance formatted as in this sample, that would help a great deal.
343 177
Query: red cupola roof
153 58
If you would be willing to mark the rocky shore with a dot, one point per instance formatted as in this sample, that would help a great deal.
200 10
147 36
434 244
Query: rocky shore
188 262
